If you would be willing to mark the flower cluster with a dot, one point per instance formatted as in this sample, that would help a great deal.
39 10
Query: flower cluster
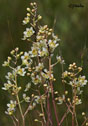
31 64
31 13
75 80
36 65
15 71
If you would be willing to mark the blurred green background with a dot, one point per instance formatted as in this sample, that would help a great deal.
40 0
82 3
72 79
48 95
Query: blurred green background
71 25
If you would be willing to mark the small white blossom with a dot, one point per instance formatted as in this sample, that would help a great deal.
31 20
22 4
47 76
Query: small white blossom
39 67
11 107
37 99
33 52
9 75
65 74
6 63
26 98
28 33
82 81
53 44
25 58
60 100
27 87
26 20
43 52
46 74
59 59
55 37
78 101
7 85
36 80
21 71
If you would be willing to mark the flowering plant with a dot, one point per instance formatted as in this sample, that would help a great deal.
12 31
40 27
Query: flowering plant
37 66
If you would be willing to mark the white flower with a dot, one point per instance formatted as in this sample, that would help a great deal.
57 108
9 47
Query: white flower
6 63
21 71
43 52
37 98
27 87
65 74
82 81
33 52
42 43
28 33
60 100
53 44
55 37
74 82
9 76
12 104
78 101
46 74
36 80
79 82
7 85
26 20
11 107
26 98
25 58
39 67
25 62
59 59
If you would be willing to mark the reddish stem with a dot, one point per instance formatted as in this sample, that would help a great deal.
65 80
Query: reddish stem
65 114
49 121
84 122
52 92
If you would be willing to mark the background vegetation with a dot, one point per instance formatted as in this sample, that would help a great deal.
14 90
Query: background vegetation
71 25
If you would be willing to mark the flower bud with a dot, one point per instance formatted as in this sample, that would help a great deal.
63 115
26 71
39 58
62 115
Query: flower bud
56 92
83 113
66 92
12 52
34 3
68 99
9 58
31 4
39 17
28 9
16 49
28 14
36 120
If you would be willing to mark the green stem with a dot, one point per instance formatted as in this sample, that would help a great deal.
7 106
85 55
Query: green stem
19 105
18 101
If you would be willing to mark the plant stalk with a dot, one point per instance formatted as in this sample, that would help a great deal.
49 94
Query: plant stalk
52 92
